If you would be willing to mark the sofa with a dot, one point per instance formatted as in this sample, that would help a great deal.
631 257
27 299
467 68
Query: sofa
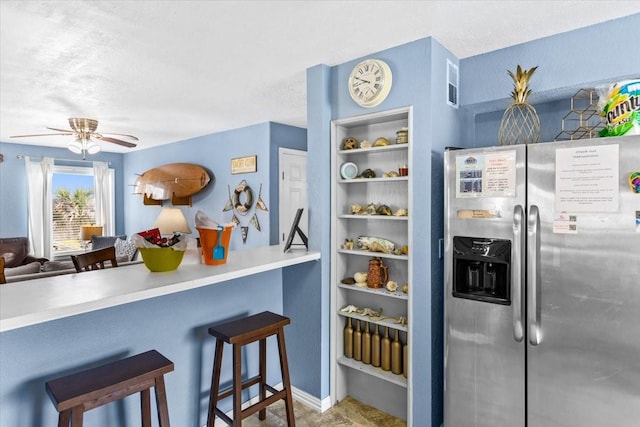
17 261
19 265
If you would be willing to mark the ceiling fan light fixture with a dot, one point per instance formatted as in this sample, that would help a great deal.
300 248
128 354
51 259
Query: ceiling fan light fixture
75 147
92 147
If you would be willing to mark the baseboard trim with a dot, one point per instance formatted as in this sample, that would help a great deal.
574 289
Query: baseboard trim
303 397
311 401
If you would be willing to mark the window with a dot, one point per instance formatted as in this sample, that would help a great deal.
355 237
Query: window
73 204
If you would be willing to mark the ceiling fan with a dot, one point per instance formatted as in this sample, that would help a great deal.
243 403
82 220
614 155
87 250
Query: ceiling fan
84 130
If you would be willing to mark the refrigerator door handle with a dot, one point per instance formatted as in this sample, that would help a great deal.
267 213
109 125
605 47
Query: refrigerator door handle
533 267
516 272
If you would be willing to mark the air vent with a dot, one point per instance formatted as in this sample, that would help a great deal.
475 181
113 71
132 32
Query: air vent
452 84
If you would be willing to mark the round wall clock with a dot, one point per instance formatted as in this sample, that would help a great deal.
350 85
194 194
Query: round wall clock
370 82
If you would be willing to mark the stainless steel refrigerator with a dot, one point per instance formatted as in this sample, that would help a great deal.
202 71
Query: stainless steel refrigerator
542 280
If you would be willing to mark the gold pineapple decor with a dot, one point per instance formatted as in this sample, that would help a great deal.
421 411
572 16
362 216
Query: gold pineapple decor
520 123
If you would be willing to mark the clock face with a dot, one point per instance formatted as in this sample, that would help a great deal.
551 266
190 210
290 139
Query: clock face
370 82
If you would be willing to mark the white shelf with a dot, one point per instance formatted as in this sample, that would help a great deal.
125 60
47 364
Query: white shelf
372 254
375 217
383 320
372 150
380 292
367 180
372 370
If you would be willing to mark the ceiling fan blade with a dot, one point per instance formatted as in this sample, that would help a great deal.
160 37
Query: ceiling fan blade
42 134
117 141
135 138
69 131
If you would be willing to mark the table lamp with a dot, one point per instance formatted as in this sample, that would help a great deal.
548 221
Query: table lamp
170 221
88 231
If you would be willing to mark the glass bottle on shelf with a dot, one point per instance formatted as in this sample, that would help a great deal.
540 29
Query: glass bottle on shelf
357 342
375 347
405 358
366 344
348 339
385 351
396 354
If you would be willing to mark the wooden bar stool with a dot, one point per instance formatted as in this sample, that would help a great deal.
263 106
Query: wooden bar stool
239 333
74 394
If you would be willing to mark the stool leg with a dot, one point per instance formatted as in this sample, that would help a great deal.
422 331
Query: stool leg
63 418
76 416
237 385
215 383
284 366
263 377
161 402
145 407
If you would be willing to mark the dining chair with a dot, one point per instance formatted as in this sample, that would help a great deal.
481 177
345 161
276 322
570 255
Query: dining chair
94 260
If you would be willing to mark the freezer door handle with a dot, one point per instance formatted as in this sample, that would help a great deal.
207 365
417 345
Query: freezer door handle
533 270
516 272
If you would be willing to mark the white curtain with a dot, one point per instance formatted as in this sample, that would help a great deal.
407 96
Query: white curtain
104 196
39 180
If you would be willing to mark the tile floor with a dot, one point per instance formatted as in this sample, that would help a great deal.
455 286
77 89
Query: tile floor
348 413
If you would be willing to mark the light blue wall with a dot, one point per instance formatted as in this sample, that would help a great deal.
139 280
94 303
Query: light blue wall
175 325
13 184
213 152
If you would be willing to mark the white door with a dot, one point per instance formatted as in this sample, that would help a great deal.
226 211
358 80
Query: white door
293 190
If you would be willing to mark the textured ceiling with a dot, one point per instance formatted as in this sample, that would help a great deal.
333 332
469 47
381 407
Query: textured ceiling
171 70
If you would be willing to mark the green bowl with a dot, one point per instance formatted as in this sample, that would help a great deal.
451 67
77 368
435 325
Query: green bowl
161 259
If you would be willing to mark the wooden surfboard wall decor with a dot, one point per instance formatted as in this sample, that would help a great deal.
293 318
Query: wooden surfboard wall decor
175 181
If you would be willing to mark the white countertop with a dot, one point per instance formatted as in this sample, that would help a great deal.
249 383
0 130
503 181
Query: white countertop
41 300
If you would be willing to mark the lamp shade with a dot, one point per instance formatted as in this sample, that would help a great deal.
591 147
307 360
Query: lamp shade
172 220
90 230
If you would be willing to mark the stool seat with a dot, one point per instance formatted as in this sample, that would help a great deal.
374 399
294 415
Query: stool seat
239 333
249 329
74 394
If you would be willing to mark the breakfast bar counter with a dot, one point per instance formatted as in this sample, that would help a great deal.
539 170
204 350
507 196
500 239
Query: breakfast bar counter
41 300
54 326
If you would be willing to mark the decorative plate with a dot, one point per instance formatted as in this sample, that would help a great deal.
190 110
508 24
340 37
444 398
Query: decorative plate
349 170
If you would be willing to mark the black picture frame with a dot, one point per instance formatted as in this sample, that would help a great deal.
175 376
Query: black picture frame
295 229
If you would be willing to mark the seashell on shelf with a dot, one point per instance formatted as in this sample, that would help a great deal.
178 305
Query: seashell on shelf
356 209
349 309
405 288
369 312
360 277
392 286
350 143
375 244
401 212
383 210
348 244
381 142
